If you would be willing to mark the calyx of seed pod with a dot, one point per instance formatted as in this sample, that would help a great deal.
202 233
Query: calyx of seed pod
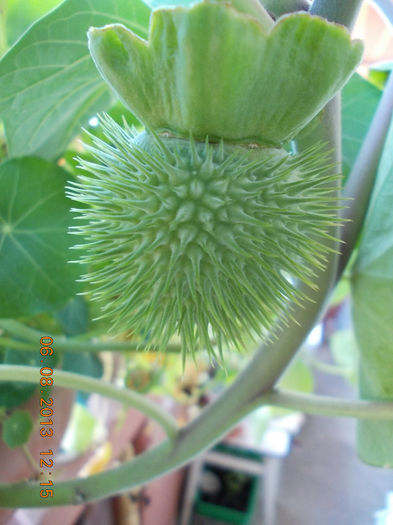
226 70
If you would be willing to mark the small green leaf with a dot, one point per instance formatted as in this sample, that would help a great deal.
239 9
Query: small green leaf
359 102
372 288
49 86
34 240
17 428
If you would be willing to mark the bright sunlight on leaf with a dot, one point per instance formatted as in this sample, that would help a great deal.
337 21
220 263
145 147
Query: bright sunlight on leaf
49 86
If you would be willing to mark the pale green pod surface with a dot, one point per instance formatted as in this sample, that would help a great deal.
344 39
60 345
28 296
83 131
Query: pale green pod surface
202 240
215 71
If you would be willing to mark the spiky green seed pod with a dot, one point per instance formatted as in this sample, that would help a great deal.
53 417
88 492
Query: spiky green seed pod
200 239
202 225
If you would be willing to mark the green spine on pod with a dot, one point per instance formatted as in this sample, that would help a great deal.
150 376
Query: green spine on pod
203 224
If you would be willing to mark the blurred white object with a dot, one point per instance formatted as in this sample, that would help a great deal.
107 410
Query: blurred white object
385 517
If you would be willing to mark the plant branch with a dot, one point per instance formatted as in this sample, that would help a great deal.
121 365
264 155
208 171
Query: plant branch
362 177
72 344
88 384
329 406
339 11
280 7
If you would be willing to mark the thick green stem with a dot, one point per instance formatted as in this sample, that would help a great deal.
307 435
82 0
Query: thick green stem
279 7
329 406
88 384
340 11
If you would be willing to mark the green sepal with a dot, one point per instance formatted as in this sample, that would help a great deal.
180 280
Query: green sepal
214 71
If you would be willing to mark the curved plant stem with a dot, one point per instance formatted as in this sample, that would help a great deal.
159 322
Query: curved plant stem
88 384
72 344
363 173
329 406
340 11
327 368
279 7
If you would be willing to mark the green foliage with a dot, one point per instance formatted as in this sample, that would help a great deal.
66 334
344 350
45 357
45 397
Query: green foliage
13 394
34 242
372 288
359 102
298 377
345 353
74 317
17 428
268 86
48 84
21 14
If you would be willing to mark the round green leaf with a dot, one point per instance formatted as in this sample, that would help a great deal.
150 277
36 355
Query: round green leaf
17 428
49 86
34 242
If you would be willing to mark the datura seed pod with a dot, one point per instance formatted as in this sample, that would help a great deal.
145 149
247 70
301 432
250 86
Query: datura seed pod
202 224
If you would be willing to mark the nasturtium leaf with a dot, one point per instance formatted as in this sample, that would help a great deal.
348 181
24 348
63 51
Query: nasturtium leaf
14 393
35 275
372 289
74 317
49 86
359 102
17 428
